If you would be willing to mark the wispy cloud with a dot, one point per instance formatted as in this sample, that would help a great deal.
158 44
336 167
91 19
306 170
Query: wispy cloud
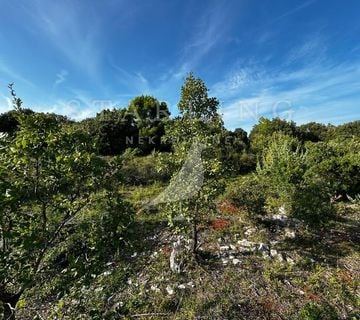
324 91
311 51
66 25
208 32
293 10
61 77
10 75
135 82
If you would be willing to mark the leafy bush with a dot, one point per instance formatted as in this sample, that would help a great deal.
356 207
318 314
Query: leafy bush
282 180
249 193
49 175
314 311
259 135
142 170
336 164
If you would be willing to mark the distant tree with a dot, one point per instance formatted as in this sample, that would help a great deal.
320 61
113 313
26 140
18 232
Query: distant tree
8 121
150 116
195 102
140 125
234 152
114 130
347 130
194 136
314 132
261 132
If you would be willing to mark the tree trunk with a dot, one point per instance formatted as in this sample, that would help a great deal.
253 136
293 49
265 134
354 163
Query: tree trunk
195 231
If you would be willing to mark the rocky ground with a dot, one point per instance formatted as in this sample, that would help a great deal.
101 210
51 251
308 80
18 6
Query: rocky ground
274 268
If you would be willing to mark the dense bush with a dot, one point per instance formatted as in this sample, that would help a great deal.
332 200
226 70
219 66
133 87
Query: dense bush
284 179
249 193
50 175
336 164
261 132
142 170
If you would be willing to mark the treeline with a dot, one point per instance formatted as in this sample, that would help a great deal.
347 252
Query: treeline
141 126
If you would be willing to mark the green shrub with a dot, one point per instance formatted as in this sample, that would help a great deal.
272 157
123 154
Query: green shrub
142 170
314 311
249 193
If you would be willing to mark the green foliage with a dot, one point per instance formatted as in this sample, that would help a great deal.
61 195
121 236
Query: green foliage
337 164
194 136
8 121
49 175
314 132
233 152
281 169
195 102
314 311
142 170
347 130
261 132
150 116
284 179
114 130
250 194
141 126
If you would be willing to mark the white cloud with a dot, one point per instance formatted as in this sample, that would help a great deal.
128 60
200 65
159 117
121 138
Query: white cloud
314 93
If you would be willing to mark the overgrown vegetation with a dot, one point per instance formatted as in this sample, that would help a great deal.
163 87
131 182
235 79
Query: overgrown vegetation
132 214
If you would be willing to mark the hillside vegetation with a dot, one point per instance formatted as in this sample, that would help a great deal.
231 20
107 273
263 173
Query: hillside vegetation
133 214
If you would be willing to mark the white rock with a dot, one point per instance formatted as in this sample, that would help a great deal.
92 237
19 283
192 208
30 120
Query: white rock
134 255
190 284
245 243
154 288
224 248
119 304
280 257
282 210
181 286
273 252
169 290
290 261
236 261
250 231
289 233
263 247
232 247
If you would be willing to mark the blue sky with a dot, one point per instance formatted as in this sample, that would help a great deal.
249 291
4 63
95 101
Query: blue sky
299 60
